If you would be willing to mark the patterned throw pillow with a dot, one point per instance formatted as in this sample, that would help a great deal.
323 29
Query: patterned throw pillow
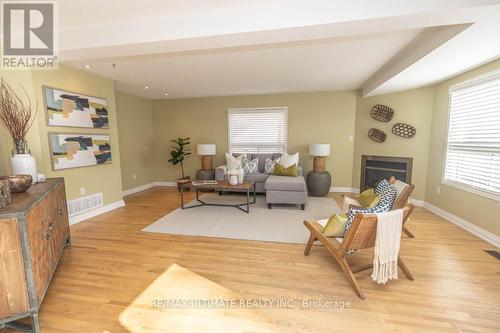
387 193
250 166
269 165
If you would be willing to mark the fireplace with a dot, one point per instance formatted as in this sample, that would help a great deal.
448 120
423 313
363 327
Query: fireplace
376 168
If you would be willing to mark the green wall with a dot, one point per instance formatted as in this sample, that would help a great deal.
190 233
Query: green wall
479 210
140 131
103 178
135 126
413 107
326 117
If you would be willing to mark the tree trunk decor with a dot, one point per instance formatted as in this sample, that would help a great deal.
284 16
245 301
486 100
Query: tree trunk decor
17 116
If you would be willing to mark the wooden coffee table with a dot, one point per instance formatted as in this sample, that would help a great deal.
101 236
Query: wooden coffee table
221 187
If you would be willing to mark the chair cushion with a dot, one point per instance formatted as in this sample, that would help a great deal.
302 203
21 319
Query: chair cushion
347 202
387 194
256 177
285 183
400 187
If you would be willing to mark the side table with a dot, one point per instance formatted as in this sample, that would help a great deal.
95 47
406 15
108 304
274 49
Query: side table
318 183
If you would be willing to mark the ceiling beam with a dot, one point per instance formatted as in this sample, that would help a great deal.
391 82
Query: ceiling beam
427 41
161 36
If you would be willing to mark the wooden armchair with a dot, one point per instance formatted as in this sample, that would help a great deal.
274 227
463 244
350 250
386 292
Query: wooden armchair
401 200
361 235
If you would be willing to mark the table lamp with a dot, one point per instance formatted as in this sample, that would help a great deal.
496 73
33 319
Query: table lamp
206 151
319 151
319 180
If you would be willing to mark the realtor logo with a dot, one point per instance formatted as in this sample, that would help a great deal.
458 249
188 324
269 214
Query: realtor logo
29 35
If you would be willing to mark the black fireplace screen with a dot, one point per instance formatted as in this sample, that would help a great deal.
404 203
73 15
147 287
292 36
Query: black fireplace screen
376 168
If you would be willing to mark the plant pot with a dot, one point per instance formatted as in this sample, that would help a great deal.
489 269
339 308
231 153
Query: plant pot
24 164
183 181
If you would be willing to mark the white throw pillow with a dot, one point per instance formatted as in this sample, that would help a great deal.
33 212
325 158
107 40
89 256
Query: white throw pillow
233 163
287 160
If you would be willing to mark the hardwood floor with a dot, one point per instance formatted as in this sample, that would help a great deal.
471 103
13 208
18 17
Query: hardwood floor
109 279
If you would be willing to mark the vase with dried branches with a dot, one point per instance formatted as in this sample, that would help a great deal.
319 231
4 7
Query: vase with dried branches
18 116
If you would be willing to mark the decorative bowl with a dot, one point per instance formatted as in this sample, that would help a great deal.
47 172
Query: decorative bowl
18 183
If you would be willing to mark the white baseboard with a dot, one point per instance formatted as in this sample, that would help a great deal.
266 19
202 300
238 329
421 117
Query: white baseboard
138 189
95 212
165 184
466 225
418 203
341 189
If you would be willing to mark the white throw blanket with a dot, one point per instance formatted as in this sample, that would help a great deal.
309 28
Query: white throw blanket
387 243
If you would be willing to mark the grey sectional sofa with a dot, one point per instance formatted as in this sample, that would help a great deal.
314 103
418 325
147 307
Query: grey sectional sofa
278 189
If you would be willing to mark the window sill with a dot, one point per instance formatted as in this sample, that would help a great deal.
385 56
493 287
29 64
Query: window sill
470 189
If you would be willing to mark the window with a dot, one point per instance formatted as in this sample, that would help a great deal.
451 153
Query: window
473 150
261 130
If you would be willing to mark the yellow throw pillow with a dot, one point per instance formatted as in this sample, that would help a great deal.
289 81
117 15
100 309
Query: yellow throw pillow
280 170
368 198
335 227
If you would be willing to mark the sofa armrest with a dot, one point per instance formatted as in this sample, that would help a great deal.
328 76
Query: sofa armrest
300 172
220 173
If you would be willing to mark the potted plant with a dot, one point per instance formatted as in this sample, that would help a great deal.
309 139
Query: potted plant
17 117
177 157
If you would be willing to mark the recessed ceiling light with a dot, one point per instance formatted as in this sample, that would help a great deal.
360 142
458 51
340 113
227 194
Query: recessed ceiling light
166 94
87 67
146 87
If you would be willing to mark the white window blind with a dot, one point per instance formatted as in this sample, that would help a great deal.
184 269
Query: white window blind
261 130
473 150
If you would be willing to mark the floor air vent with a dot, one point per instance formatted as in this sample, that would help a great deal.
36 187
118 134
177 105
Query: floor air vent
493 253
84 204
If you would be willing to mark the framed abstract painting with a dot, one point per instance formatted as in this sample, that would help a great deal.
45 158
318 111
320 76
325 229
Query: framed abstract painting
64 108
79 150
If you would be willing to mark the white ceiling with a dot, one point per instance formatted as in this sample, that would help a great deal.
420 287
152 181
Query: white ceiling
335 64
231 47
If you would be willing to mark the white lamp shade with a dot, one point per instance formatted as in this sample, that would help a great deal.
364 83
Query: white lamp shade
319 149
205 149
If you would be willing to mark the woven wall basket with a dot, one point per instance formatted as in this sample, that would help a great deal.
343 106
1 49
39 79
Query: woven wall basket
382 113
377 135
404 130
4 193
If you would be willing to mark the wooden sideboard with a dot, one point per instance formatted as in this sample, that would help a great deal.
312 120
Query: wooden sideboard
34 229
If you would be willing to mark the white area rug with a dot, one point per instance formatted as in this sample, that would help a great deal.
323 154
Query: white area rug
282 223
